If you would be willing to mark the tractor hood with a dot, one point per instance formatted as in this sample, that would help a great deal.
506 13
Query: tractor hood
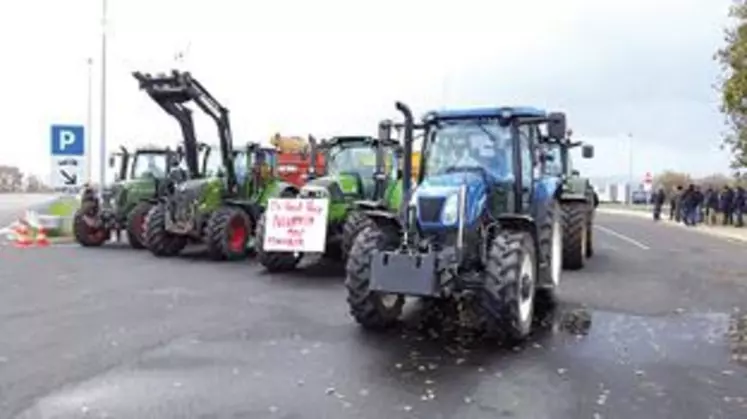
437 199
199 191
334 187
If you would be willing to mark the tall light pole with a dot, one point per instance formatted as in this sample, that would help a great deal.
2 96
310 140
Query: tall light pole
89 121
102 143
630 168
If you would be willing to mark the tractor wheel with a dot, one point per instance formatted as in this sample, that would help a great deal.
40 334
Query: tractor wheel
354 224
227 234
575 235
510 280
590 235
371 310
273 261
86 235
157 239
551 255
136 224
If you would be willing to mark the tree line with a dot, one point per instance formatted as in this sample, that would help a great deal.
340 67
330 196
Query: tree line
13 180
670 179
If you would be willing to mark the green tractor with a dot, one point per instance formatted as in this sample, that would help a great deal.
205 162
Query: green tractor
141 177
578 199
361 173
219 208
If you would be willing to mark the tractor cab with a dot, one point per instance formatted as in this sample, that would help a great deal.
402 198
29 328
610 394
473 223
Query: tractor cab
352 162
556 158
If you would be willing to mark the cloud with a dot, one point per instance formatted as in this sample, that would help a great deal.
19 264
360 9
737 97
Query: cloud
330 67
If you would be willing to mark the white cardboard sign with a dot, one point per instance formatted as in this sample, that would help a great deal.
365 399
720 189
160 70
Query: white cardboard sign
296 225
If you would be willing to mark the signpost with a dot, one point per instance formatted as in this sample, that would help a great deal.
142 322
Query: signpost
648 182
69 166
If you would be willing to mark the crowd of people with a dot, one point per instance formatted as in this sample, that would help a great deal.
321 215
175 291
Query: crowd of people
693 206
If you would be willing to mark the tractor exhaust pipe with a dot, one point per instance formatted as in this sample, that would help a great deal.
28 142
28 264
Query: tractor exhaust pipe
312 158
407 163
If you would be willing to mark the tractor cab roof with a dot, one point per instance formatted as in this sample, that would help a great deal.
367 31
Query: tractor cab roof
351 139
503 112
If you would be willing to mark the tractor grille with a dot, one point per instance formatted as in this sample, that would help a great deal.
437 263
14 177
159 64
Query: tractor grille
429 209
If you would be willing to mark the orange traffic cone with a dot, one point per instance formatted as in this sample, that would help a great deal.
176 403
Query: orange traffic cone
23 238
41 237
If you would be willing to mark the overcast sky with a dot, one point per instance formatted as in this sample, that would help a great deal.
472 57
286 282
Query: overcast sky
332 66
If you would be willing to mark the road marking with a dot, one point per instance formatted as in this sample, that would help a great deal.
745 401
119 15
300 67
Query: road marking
623 237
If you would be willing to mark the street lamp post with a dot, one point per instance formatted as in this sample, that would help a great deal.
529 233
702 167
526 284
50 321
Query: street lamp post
102 144
89 121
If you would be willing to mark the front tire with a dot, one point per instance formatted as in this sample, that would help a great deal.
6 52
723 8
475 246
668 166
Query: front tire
273 261
590 235
372 310
551 255
136 224
510 277
227 234
575 235
86 235
157 239
354 224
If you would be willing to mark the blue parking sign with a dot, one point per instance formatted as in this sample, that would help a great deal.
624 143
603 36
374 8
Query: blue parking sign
68 140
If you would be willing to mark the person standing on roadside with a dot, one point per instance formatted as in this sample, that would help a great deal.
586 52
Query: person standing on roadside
674 204
688 204
739 206
713 207
699 205
727 205
658 198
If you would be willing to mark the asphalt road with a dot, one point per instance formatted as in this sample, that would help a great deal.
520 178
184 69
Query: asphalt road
117 333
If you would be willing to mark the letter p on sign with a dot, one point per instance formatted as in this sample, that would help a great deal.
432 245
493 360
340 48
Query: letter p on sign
68 140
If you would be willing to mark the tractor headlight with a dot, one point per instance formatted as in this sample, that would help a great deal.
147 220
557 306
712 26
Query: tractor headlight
450 213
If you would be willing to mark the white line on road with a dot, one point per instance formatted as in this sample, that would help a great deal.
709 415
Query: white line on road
623 237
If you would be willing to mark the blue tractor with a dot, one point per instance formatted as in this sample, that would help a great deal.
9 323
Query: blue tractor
482 227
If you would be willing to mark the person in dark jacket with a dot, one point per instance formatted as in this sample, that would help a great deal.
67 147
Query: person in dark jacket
658 198
699 201
739 206
727 205
674 204
712 206
688 203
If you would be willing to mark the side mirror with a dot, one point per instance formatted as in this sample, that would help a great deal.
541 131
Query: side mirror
112 161
556 126
548 158
575 172
587 151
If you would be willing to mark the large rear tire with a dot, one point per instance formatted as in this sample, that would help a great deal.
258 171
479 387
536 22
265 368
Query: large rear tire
157 239
86 235
136 224
575 235
354 224
551 256
510 279
273 261
590 234
370 309
227 234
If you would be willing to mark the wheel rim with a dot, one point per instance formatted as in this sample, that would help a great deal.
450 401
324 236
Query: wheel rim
237 235
525 299
557 252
